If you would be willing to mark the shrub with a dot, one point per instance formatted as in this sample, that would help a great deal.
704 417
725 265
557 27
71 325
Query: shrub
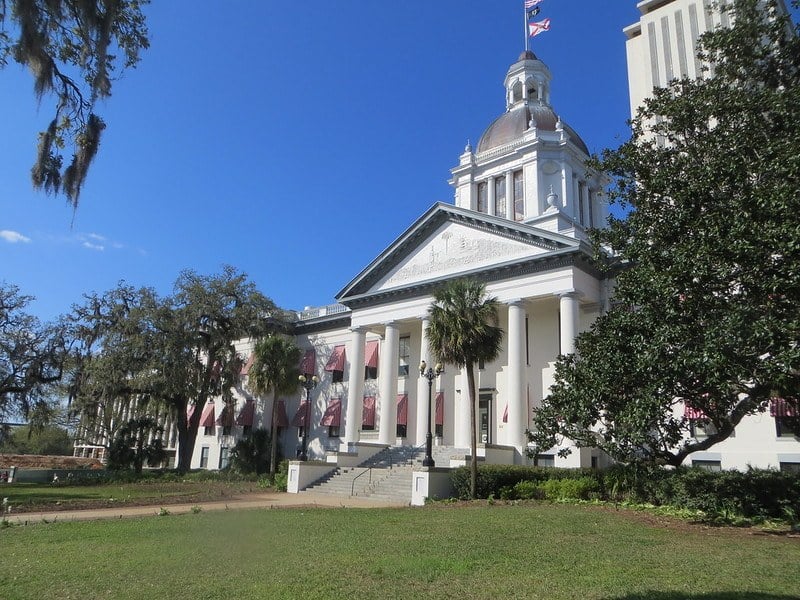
500 480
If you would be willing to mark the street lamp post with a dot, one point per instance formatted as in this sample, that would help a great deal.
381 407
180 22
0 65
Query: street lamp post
309 383
429 373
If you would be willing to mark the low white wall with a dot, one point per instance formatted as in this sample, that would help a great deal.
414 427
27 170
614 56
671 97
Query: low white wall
430 483
303 474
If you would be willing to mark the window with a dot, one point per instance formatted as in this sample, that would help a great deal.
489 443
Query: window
204 457
227 429
500 196
439 414
483 197
208 430
247 430
404 356
519 197
701 428
481 364
337 376
402 430
224 456
544 460
790 467
708 465
333 431
787 426
300 431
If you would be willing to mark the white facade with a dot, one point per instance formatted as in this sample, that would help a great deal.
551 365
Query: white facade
523 200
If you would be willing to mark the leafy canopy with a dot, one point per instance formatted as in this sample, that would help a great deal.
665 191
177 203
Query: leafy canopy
74 49
708 257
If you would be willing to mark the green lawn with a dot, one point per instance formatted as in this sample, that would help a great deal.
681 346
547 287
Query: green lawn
466 552
26 497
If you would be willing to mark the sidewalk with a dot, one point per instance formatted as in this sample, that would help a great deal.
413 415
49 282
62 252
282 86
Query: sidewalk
265 500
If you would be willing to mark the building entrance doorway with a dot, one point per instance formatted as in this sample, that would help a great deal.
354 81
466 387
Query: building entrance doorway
485 418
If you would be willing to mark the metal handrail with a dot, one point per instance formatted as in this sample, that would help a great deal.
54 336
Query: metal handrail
353 484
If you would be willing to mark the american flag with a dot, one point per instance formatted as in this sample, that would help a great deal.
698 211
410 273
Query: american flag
531 3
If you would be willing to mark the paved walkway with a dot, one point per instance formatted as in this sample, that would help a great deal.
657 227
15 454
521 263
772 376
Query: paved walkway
249 501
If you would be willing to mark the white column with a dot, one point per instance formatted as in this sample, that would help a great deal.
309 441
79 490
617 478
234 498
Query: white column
461 408
490 190
568 305
388 388
422 386
510 195
355 384
517 415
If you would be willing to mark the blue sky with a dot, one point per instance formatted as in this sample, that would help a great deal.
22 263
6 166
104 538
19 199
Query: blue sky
293 140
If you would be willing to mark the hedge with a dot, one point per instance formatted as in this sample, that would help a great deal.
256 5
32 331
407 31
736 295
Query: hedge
752 494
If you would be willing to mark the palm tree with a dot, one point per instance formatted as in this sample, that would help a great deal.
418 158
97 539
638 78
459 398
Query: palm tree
275 369
464 330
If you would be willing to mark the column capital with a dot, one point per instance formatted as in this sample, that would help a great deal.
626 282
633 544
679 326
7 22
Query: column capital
516 302
359 329
569 294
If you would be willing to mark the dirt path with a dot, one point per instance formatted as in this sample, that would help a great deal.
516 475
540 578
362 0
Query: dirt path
245 501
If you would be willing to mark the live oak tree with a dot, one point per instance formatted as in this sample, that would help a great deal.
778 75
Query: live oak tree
464 331
74 49
32 356
166 355
707 260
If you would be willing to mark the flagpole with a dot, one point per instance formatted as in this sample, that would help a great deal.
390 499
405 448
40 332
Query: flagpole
525 26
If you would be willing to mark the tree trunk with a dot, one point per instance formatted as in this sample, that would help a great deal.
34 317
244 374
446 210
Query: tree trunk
273 440
473 436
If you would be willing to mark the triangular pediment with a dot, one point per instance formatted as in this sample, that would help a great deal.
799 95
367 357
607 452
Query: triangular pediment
449 241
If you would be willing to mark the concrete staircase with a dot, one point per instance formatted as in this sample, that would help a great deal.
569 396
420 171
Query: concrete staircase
385 476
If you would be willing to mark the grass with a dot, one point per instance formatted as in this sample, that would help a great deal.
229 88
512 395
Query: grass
27 497
475 551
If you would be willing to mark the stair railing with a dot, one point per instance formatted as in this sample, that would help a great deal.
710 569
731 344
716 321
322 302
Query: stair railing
353 484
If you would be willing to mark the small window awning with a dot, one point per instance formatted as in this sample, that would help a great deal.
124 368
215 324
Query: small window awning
402 409
309 362
439 408
371 354
281 420
505 414
246 415
336 361
299 419
226 417
780 407
368 413
207 418
333 413
248 364
692 413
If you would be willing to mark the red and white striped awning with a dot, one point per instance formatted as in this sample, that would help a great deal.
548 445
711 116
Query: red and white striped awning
207 418
402 409
439 408
299 419
371 354
368 413
336 361
780 407
333 414
245 418
308 364
281 420
693 413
